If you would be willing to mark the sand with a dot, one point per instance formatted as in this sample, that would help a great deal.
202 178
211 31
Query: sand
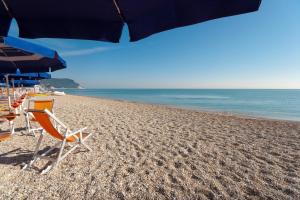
145 151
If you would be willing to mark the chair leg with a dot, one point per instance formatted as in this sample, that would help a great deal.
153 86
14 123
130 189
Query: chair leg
86 146
58 159
48 168
28 125
60 155
69 151
82 141
35 157
12 127
27 122
45 154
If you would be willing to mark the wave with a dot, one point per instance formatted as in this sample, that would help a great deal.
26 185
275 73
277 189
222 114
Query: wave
196 97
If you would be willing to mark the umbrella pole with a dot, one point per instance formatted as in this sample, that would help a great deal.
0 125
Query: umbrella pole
7 86
13 88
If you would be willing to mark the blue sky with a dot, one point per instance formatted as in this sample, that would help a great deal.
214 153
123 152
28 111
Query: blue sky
255 50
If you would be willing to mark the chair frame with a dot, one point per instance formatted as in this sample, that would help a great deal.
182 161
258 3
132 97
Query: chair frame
10 109
60 144
29 128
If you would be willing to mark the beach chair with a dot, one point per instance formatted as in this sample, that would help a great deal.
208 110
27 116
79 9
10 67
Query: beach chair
5 135
38 94
10 117
65 137
37 105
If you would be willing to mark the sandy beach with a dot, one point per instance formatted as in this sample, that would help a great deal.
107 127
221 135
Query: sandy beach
145 151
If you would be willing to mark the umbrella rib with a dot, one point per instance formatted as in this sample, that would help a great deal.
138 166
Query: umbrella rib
6 7
118 9
9 60
7 81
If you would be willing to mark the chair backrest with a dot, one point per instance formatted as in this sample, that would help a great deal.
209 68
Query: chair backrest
30 94
37 94
43 119
44 104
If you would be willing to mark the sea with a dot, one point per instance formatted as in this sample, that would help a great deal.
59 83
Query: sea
274 104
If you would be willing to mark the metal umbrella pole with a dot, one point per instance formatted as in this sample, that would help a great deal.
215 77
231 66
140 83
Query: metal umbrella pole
13 88
7 91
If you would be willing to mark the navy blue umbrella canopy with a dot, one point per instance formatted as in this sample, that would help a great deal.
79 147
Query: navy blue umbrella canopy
26 76
17 55
25 79
25 83
104 19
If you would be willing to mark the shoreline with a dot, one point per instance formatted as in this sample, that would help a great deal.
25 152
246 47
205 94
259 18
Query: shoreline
200 110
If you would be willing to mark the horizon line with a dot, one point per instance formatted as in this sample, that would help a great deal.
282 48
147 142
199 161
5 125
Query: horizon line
132 88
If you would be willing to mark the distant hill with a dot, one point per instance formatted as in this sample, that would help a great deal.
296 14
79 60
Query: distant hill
59 83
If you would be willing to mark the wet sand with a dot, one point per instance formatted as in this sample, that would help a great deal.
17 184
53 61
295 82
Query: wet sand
143 151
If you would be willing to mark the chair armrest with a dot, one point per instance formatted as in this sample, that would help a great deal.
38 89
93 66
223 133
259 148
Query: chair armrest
35 110
76 132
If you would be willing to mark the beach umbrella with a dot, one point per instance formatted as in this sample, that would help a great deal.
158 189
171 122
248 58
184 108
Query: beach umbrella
23 79
27 76
17 55
104 19
19 78
25 83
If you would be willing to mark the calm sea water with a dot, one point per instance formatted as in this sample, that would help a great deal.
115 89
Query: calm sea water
277 104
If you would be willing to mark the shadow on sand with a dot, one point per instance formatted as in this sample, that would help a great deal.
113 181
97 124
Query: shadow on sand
19 156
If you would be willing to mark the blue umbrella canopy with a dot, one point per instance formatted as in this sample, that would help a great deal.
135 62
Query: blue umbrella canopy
17 55
27 76
104 19
25 83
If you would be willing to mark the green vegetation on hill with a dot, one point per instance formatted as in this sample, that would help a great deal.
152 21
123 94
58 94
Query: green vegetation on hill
59 83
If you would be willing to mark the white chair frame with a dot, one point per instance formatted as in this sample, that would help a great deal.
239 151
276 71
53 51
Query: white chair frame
29 115
61 145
